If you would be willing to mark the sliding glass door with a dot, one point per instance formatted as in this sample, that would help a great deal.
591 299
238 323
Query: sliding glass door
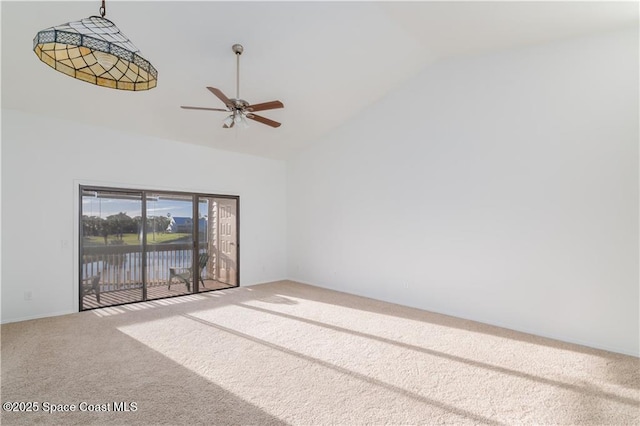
138 245
170 245
110 265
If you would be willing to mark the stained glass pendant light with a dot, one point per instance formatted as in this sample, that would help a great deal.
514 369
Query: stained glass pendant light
95 50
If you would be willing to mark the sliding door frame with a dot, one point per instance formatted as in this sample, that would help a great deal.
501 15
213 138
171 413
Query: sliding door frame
195 249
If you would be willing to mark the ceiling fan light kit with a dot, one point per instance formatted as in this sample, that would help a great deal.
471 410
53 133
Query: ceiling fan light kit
238 108
96 51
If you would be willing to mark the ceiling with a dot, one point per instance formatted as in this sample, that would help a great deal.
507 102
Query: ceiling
326 61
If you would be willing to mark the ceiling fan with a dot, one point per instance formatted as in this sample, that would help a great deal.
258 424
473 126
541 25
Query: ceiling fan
239 108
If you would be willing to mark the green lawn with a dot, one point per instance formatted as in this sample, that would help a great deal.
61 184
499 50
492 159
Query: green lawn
132 239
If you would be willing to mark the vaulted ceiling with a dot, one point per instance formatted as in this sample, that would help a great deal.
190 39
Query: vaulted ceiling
326 61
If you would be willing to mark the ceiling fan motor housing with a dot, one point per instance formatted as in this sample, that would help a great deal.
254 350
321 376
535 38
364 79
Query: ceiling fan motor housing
239 104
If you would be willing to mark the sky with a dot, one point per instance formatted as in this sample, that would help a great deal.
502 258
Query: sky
103 207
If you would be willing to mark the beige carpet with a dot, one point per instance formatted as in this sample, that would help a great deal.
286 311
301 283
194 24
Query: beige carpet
287 353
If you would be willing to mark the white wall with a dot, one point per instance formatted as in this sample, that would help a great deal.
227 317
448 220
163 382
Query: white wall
43 162
501 188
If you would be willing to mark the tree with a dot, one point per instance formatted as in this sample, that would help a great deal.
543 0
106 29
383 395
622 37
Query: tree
91 225
119 224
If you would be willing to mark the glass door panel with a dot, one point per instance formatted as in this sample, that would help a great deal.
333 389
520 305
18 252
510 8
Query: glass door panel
206 253
169 245
227 241
110 248
217 231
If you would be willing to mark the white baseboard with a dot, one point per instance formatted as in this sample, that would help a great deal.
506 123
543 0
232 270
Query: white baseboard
32 317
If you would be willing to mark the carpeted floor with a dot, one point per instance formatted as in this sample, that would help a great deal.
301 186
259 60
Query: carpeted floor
287 353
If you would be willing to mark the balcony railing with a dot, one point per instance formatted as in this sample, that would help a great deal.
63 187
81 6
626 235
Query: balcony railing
120 267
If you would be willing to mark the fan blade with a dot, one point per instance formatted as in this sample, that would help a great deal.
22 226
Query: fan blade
205 109
263 120
264 106
221 96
